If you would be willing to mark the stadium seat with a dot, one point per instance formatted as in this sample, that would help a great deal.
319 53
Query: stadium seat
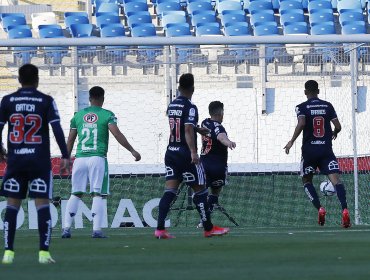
261 17
172 18
75 19
98 3
353 27
290 4
206 29
53 54
139 18
107 19
110 8
343 5
266 28
294 16
201 17
22 55
323 28
239 52
148 53
199 6
183 52
42 19
232 18
296 28
167 6
3 15
351 15
25 26
258 6
319 5
82 14
133 7
79 30
12 20
319 17
228 5
116 54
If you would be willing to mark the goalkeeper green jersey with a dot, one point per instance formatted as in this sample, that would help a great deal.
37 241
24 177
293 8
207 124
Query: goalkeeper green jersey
92 130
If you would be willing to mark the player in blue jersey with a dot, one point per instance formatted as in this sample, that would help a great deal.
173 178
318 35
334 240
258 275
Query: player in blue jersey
214 152
314 119
28 114
182 160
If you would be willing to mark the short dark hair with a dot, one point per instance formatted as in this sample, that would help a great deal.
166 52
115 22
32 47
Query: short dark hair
186 81
28 74
96 93
311 86
215 108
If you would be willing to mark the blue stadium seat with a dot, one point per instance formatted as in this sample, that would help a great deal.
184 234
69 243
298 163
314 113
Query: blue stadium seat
228 5
107 19
258 6
353 27
206 29
22 55
237 29
323 28
266 28
75 19
12 20
239 52
263 16
139 18
343 5
135 7
25 26
172 18
148 53
290 4
110 8
199 5
113 30
3 15
288 16
319 5
167 6
79 30
116 54
55 54
183 52
233 18
82 14
97 3
124 2
351 15
201 17
319 17
296 28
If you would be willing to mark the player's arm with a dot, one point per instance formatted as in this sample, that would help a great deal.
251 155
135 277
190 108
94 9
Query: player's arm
297 131
190 140
71 140
222 137
113 128
337 127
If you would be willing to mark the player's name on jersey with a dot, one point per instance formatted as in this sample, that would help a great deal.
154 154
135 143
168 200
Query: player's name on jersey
25 107
177 113
90 125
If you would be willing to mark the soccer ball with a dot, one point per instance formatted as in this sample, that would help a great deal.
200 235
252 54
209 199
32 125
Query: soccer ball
327 188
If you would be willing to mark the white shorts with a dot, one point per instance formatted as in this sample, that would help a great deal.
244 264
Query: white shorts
93 170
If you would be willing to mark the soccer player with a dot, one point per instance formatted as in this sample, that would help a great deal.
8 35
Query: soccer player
182 160
214 152
28 113
92 126
314 119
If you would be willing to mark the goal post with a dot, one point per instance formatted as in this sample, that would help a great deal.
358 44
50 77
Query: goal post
260 80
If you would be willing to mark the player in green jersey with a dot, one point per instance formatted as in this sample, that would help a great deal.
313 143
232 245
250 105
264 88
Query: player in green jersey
92 126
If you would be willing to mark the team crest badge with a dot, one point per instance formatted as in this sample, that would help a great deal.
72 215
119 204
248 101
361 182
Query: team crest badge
91 118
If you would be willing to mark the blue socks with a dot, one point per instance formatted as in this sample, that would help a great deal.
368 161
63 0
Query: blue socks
164 207
10 225
312 195
341 193
44 223
200 201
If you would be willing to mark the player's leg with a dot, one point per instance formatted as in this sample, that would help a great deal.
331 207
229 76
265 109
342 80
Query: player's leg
41 189
79 182
14 188
99 187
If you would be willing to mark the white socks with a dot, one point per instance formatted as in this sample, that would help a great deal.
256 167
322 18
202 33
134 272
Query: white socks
97 212
71 209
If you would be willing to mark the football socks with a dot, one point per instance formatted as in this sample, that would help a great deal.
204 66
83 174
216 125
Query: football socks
71 209
312 195
212 201
341 193
10 225
200 201
164 207
44 223
97 212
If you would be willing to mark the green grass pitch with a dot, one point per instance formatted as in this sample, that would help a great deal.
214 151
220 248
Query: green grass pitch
296 253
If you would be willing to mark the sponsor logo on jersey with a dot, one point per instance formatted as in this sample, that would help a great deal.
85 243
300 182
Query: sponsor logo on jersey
318 112
24 151
25 98
173 149
317 105
318 142
91 118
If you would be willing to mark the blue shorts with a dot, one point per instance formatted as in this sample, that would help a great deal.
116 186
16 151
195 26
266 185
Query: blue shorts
326 162
216 171
38 184
179 167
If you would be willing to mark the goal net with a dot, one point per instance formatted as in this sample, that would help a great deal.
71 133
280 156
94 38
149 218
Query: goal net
259 86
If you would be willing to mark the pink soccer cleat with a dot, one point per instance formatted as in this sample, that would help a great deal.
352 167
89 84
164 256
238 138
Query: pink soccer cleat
346 221
162 234
322 214
216 231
